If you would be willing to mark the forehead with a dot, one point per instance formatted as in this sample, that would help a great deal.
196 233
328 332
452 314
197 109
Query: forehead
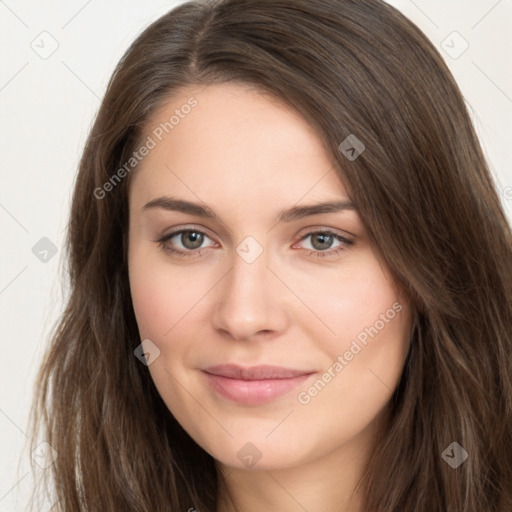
232 142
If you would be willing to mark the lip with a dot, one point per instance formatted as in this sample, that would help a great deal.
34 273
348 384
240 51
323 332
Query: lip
253 385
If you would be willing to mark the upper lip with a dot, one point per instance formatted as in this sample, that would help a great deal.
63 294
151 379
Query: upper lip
261 372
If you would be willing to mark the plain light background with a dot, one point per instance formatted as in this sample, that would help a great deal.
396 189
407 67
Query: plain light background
47 105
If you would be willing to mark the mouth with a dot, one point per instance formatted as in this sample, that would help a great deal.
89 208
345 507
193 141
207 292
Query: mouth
253 385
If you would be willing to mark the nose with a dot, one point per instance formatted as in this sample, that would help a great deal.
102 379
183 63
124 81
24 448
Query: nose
251 301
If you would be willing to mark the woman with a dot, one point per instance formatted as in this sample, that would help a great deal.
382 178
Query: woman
290 276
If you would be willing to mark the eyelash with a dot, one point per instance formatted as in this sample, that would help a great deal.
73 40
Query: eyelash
345 243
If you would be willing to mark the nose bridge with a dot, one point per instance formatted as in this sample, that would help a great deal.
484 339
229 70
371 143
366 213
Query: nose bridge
249 295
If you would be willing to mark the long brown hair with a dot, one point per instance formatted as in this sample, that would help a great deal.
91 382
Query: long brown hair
429 204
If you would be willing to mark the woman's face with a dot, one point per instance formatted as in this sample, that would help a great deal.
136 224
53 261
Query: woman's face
258 280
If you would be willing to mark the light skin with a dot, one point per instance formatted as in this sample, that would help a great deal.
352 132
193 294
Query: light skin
300 304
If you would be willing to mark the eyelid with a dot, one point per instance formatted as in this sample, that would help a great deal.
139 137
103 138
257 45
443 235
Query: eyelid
180 229
325 229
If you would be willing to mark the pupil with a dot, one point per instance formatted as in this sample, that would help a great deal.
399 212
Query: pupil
194 237
325 241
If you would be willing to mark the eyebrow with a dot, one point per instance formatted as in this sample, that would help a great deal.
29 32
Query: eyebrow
289 215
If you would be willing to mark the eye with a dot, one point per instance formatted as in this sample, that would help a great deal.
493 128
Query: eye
191 241
322 242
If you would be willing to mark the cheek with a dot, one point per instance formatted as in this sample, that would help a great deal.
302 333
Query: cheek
348 301
367 344
152 302
163 300
365 362
163 295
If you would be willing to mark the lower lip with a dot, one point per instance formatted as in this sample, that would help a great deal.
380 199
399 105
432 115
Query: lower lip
253 392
